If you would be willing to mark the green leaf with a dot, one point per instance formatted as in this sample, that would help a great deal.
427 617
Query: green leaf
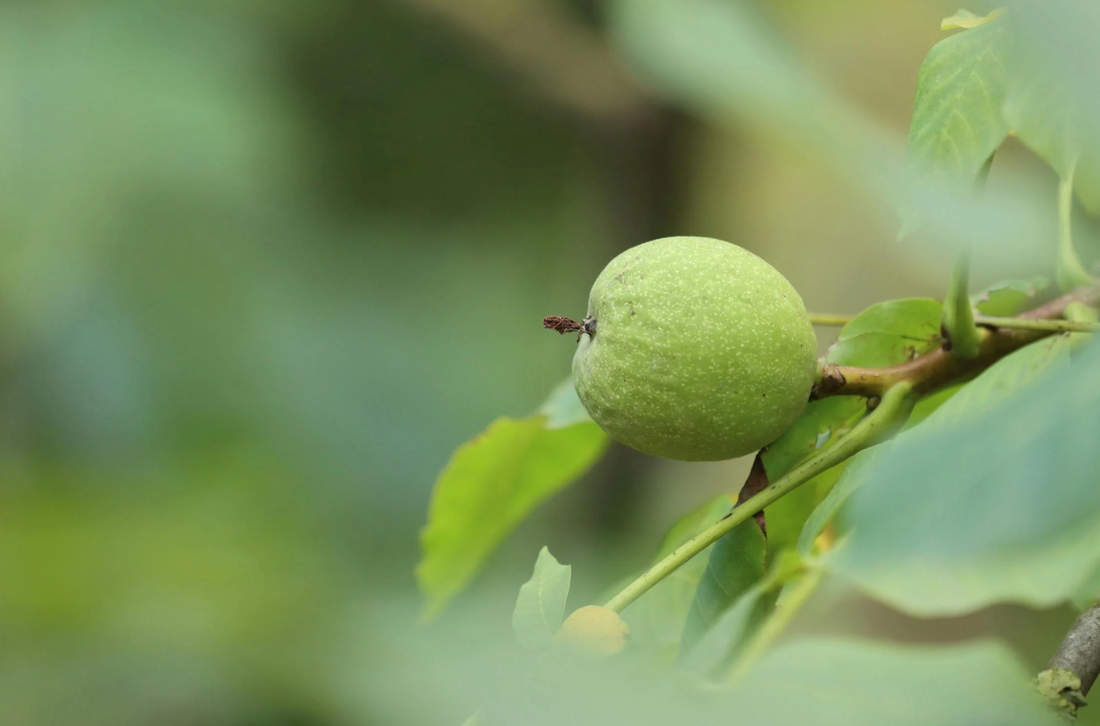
993 498
958 120
1004 378
736 563
855 683
490 485
1009 297
853 477
787 517
823 423
1043 110
889 333
965 19
930 404
540 607
657 619
727 636
820 425
563 408
913 317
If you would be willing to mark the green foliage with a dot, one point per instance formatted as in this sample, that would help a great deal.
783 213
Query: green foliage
964 510
736 563
958 121
540 607
1009 297
885 334
984 495
263 263
1047 116
889 333
493 482
973 683
853 477
657 620
812 680
725 637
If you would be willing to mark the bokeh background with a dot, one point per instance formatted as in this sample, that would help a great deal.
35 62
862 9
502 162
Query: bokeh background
265 264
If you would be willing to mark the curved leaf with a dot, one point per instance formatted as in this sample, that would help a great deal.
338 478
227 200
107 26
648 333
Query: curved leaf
490 485
540 606
736 563
563 408
958 121
1009 297
993 498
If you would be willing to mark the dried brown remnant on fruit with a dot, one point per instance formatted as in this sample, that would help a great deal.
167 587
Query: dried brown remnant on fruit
561 324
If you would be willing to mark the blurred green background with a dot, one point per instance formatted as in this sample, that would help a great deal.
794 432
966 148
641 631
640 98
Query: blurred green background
265 264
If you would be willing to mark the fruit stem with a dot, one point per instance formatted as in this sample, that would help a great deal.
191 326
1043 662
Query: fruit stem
876 426
561 324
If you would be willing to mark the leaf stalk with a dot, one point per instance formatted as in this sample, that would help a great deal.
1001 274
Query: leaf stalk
891 412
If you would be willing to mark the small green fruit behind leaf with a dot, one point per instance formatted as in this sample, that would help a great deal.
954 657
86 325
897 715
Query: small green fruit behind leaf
593 630
694 349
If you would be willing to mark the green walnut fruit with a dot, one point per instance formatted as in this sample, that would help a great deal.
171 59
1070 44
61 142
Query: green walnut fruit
694 349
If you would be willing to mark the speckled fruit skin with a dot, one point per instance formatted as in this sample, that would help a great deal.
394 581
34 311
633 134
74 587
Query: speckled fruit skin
700 351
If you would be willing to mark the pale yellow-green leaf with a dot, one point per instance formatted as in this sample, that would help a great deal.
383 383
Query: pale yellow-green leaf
965 19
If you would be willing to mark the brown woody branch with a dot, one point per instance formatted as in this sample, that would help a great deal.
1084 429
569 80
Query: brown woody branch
939 368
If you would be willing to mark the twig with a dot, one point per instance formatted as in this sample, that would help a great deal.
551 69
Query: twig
554 53
939 368
879 424
988 321
1080 650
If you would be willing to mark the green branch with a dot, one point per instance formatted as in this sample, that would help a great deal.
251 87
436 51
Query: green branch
891 411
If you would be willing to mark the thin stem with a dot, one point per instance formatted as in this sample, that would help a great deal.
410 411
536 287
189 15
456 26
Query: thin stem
958 315
1052 326
828 320
1070 271
773 627
939 368
989 321
892 410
